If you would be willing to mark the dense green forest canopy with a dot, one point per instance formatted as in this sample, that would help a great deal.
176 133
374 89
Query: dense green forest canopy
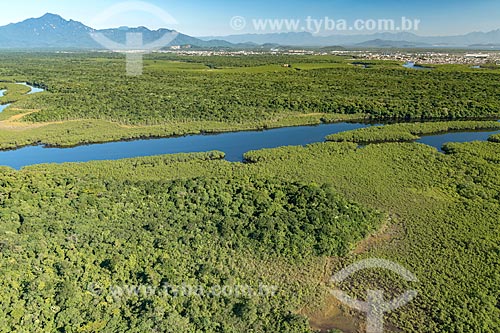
244 89
288 218
65 234
276 221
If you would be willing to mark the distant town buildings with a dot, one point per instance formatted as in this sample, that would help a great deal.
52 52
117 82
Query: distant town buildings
431 57
423 57
180 47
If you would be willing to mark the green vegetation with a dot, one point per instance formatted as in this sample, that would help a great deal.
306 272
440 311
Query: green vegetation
73 236
447 210
169 94
140 220
495 138
410 131
13 92
189 94
66 238
70 133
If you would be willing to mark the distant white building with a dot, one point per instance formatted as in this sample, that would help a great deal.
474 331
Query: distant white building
477 55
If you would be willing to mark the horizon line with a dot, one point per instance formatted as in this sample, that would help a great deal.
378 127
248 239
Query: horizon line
262 33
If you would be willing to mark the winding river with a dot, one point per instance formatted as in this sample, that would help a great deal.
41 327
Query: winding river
3 107
33 90
233 144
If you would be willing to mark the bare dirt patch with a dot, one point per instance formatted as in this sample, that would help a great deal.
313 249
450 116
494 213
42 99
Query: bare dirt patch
387 233
13 122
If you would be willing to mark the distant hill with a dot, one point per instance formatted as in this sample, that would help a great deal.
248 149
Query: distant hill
380 43
486 46
406 38
51 31
45 32
292 39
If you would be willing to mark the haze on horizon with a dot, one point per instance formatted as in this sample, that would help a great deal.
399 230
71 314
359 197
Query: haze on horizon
202 18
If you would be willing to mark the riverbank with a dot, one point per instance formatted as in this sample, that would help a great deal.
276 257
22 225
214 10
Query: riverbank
237 145
410 132
17 134
13 92
495 138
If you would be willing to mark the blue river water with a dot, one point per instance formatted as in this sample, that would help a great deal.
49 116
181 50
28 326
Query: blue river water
412 65
3 107
233 144
33 90
439 140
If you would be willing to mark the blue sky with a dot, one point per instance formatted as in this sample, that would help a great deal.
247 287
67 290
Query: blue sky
212 17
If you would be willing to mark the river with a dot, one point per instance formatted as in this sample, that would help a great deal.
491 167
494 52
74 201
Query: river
233 144
33 90
412 65
3 107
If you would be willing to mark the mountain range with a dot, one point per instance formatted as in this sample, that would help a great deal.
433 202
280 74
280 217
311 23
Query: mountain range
51 31
383 39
